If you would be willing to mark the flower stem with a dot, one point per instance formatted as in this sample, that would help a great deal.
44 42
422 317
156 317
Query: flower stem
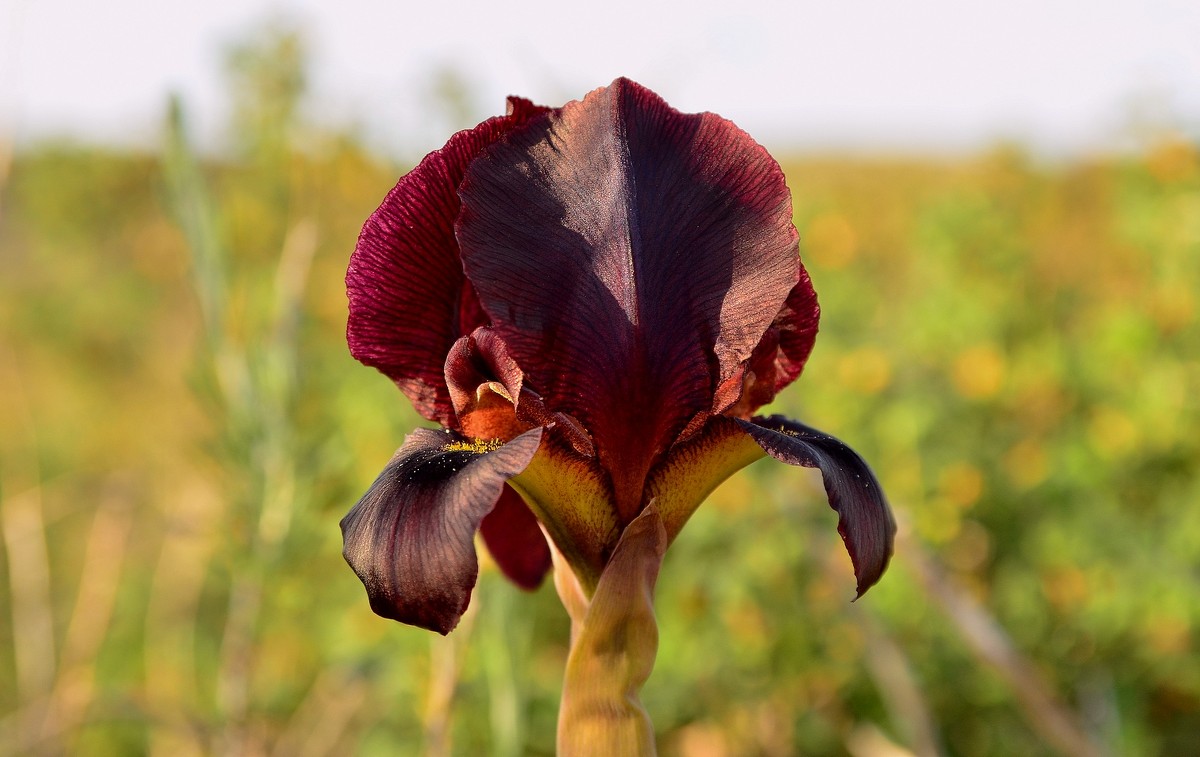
614 639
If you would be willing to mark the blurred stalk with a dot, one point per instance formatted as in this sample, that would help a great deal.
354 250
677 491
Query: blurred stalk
91 614
320 723
6 159
24 532
197 218
866 740
506 705
1053 720
176 588
445 654
194 212
902 696
256 384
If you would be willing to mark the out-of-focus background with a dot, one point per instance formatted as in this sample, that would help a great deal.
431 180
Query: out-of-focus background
1000 209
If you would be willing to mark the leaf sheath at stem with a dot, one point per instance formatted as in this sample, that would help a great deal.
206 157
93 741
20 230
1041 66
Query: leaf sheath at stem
614 639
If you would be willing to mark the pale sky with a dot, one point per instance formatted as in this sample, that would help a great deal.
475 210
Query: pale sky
1062 75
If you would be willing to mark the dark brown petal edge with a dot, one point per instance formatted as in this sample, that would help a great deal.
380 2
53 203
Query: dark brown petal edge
411 537
865 521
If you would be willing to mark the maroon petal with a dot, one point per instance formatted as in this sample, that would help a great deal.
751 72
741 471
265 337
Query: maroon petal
865 520
631 257
485 385
411 537
409 300
796 326
781 354
516 542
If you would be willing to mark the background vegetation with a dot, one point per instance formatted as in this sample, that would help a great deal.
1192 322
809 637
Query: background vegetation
1013 344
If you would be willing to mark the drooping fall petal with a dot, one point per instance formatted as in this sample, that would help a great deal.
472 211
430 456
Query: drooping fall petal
864 519
631 257
411 536
409 300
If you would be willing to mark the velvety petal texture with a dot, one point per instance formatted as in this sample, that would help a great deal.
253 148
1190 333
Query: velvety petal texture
409 300
631 257
864 519
411 536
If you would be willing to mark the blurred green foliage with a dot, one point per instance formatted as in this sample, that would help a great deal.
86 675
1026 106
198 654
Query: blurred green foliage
1014 346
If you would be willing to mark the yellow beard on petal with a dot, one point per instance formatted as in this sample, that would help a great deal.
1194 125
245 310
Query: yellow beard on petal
477 446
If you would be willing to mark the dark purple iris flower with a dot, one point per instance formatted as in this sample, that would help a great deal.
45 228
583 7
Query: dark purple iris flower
592 302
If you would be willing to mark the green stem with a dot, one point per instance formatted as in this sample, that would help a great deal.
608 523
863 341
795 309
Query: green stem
614 639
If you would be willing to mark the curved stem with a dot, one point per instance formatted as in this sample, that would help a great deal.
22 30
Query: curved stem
614 639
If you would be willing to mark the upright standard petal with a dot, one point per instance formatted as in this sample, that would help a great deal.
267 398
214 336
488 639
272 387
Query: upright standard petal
411 537
864 519
631 257
409 300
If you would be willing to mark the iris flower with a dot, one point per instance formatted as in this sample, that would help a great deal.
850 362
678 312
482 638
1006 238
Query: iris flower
591 302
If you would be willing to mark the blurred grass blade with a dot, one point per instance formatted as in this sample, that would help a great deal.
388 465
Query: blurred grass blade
1053 720
22 521
498 641
196 217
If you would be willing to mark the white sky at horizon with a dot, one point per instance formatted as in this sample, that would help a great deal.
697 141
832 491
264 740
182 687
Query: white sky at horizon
1060 75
